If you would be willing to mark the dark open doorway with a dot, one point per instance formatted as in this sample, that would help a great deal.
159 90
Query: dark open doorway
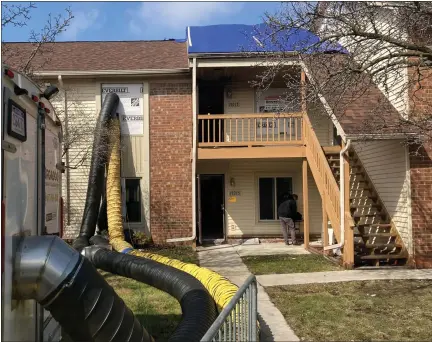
211 207
211 101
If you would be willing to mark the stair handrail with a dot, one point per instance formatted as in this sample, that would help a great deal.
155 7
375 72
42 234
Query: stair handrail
323 175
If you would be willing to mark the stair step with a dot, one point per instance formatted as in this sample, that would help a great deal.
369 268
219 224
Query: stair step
389 235
372 205
358 215
380 245
383 256
372 197
377 225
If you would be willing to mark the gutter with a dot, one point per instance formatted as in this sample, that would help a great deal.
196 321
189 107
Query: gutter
194 156
342 197
137 72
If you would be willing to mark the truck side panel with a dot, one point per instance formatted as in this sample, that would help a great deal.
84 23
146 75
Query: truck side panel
20 198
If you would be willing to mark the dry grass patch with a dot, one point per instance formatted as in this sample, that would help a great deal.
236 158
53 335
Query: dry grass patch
280 264
387 310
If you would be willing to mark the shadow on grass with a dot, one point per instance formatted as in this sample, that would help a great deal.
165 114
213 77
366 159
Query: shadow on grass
161 327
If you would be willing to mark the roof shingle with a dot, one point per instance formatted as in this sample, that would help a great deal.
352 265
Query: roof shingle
97 56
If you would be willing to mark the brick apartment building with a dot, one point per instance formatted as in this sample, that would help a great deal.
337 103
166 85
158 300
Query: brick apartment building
211 161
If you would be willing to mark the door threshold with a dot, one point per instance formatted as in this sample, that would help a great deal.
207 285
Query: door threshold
213 241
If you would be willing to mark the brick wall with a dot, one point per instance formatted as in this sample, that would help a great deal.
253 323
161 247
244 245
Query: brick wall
421 179
170 163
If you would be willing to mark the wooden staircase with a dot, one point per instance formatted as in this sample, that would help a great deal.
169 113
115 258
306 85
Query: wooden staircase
376 240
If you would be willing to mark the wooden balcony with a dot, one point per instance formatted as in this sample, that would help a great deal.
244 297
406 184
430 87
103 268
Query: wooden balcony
218 135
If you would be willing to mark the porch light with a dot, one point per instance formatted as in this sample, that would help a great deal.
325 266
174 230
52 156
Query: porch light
232 182
229 92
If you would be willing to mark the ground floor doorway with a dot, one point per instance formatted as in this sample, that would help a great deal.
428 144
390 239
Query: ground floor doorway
211 207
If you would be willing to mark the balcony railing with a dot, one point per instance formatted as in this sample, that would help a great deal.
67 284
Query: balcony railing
250 129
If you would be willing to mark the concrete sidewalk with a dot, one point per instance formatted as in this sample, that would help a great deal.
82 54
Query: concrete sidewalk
339 276
225 260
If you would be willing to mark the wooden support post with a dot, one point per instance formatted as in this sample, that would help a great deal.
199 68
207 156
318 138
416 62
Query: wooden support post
305 203
303 91
324 225
348 250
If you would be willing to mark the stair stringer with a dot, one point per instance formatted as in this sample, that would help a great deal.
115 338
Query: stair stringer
373 189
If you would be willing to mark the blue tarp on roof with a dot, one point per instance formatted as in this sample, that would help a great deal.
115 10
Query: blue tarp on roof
240 38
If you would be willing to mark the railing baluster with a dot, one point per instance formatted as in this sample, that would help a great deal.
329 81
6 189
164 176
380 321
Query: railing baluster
202 131
290 128
284 131
278 128
230 134
249 130
242 123
237 130
214 130
220 124
255 129
267 120
208 130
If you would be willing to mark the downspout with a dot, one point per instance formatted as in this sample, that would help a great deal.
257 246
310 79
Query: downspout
194 156
341 198
66 126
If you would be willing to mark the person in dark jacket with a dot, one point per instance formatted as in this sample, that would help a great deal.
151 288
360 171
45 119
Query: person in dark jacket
287 212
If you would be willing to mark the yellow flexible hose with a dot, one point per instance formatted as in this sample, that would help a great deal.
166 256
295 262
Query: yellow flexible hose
220 288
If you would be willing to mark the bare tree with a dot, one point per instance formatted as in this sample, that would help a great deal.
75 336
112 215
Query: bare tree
361 47
77 118
18 15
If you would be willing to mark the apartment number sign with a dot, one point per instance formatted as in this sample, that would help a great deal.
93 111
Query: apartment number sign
130 108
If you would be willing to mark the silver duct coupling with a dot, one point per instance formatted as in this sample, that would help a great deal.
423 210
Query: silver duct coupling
41 264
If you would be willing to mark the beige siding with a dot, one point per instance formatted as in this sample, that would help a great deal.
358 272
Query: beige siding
323 128
321 123
241 102
385 163
242 216
83 104
82 115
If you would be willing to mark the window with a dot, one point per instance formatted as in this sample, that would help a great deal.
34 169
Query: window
271 194
133 199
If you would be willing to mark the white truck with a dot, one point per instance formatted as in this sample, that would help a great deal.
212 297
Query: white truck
31 194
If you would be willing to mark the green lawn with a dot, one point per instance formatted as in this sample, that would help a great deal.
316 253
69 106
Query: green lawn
279 264
157 311
390 310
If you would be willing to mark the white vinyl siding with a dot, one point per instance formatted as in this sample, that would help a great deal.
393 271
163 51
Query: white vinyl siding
242 217
82 116
385 163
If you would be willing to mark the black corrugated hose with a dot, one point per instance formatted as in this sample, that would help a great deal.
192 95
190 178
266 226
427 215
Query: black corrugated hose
89 310
97 172
198 307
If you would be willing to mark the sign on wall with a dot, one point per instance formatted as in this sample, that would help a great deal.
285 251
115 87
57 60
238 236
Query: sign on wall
130 108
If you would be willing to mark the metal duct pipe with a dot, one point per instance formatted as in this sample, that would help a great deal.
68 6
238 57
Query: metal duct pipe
65 283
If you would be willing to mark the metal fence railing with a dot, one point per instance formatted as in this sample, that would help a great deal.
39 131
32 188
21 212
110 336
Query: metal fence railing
238 321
